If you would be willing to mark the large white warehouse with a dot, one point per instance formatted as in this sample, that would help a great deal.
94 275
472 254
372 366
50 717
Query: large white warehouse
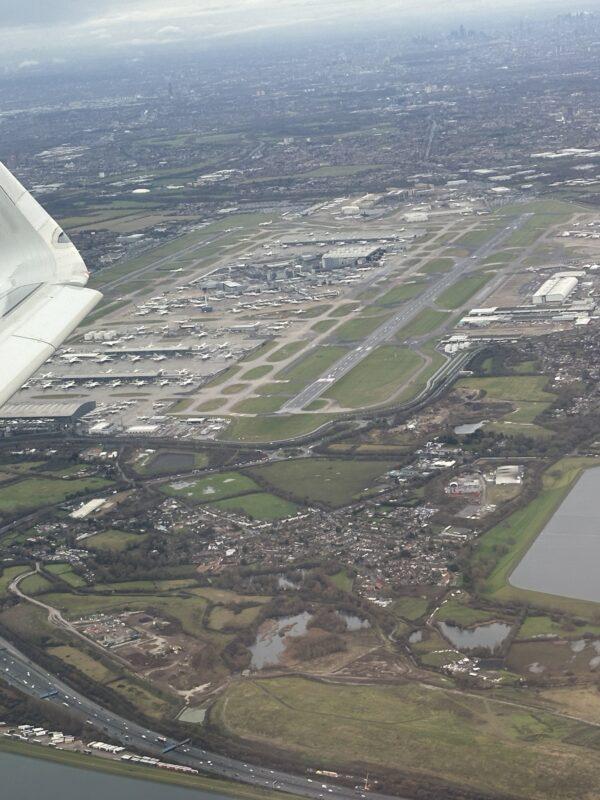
555 290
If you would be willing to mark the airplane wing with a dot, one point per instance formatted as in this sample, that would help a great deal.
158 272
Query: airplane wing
42 285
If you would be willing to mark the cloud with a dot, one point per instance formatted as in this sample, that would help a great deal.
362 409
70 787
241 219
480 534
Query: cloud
41 29
28 64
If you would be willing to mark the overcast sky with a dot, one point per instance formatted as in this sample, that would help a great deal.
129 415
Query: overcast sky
39 29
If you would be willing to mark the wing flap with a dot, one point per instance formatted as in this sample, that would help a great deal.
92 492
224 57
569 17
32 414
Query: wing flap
32 332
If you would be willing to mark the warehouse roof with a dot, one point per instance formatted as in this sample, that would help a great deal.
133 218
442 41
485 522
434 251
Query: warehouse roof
72 410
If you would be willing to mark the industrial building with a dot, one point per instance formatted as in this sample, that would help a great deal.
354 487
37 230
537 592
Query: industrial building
350 256
64 412
556 289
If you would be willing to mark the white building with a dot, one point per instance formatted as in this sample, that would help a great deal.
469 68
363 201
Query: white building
556 289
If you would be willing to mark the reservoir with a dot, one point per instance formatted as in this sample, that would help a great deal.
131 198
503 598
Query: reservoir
27 778
564 558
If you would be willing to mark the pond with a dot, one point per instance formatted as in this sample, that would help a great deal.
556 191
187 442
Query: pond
489 636
354 623
468 428
564 558
272 639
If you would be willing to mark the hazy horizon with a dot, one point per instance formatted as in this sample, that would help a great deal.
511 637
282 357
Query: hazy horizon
35 32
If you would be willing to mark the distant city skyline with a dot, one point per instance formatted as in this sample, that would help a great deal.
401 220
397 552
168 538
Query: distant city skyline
35 31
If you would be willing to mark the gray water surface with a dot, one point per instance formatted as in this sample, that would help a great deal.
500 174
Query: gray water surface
489 636
30 778
564 558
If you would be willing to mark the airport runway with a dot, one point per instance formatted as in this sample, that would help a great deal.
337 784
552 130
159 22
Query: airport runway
391 326
20 672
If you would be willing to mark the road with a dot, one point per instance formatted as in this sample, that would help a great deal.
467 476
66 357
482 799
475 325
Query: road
21 673
391 326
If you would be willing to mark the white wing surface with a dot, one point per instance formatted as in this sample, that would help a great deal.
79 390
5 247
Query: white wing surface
42 285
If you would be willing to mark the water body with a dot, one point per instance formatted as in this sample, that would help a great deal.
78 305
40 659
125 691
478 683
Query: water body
564 558
468 428
272 637
491 635
29 778
354 623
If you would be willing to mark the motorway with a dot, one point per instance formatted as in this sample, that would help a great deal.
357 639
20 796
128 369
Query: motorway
391 326
21 673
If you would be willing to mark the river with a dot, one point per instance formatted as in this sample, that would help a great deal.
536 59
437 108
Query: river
564 558
27 778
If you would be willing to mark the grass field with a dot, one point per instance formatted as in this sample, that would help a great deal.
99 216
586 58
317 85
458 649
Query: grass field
260 506
376 378
358 328
273 428
113 540
286 351
500 549
38 492
65 573
295 377
8 575
410 607
526 392
458 610
420 730
426 321
331 481
405 291
256 372
541 625
323 325
437 265
222 617
75 657
461 291
211 488
35 584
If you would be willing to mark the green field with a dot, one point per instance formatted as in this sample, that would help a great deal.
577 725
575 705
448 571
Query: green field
405 291
38 492
500 549
331 481
461 291
211 488
376 378
286 351
256 372
8 575
410 607
526 392
260 506
541 625
35 584
298 375
273 428
358 328
437 265
418 731
458 610
65 573
426 321
323 325
113 540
